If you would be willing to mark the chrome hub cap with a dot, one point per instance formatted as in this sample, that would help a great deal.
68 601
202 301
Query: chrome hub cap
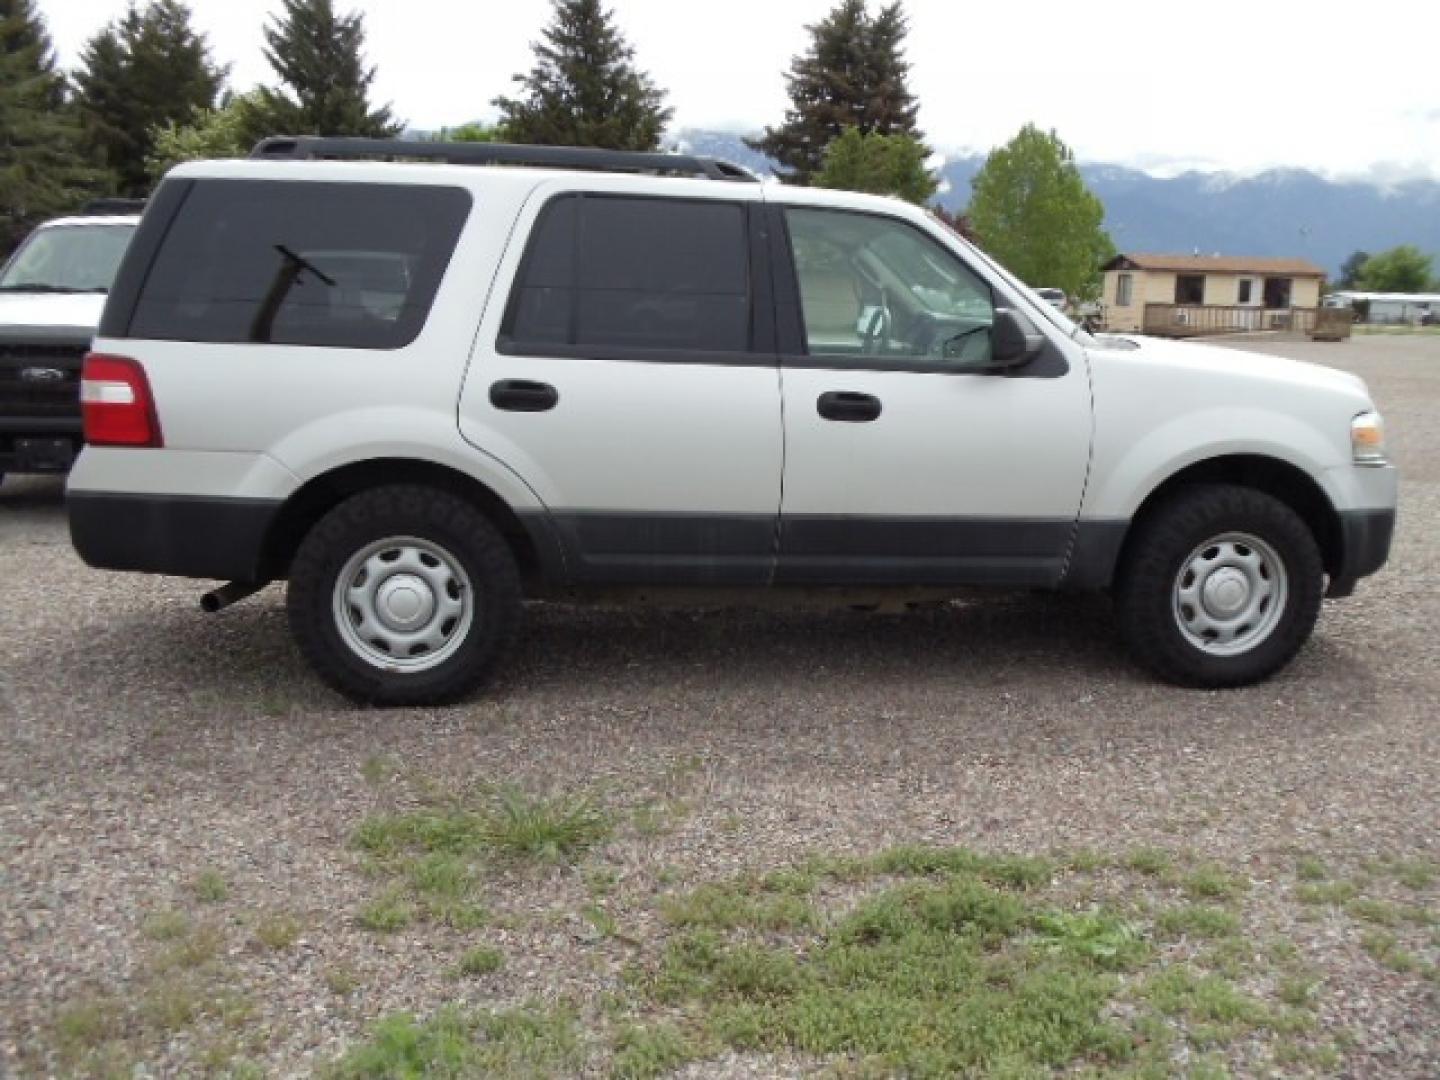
403 604
1230 594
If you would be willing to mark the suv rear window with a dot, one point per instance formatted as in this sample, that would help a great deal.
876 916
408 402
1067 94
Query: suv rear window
633 273
301 263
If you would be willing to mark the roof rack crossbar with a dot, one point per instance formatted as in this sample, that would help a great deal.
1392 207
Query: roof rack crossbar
313 148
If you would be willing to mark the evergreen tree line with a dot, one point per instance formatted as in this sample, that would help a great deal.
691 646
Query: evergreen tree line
147 93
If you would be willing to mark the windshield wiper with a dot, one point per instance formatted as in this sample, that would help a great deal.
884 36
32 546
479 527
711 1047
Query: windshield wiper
40 288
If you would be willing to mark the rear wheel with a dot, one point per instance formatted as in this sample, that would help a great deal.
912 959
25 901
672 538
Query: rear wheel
1221 587
403 595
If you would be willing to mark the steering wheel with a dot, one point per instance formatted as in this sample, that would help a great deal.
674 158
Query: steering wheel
955 342
876 332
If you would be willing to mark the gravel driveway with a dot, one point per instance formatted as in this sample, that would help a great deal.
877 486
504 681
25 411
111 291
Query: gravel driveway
164 772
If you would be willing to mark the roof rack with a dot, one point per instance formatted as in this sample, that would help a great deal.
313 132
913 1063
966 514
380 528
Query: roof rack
312 148
112 206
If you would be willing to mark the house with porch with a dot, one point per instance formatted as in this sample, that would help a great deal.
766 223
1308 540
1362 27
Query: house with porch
1187 295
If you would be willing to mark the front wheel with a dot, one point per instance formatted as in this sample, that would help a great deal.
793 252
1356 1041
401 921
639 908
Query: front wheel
1221 587
403 595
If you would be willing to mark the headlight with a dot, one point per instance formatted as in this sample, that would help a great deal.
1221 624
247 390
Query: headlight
1367 439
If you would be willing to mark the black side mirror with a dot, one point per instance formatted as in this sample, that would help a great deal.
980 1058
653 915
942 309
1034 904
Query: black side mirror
1014 339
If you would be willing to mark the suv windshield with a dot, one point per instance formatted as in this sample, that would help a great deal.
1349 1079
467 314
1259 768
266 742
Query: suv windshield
67 258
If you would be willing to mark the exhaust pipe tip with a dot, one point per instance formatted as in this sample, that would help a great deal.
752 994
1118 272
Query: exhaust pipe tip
221 598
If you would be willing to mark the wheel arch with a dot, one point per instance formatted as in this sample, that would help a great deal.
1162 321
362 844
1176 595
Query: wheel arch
1280 479
529 538
1101 546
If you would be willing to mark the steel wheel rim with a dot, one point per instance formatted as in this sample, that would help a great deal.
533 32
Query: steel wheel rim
403 604
1230 594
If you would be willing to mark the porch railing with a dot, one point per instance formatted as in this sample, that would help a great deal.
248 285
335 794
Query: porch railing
1193 320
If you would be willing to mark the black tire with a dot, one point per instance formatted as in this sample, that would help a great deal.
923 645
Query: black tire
431 516
1145 593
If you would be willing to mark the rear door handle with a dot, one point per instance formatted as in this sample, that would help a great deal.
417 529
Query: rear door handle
848 406
522 395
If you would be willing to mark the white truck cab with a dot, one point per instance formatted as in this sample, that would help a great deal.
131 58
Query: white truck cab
52 291
423 390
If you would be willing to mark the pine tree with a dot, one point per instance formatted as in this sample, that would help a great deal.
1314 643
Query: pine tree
584 89
145 71
854 75
43 171
319 56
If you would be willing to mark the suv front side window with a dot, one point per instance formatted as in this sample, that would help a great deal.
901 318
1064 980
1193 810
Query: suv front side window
878 288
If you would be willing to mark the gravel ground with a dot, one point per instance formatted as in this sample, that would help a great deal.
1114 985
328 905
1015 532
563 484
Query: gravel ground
142 743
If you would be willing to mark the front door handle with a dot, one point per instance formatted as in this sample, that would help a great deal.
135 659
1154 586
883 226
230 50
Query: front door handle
522 395
848 406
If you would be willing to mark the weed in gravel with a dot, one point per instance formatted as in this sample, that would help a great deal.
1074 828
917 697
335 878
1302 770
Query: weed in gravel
530 827
341 980
388 912
210 887
1216 1009
277 931
1297 991
1385 913
528 1041
1087 861
1150 861
1196 920
88 1024
481 960
727 906
507 822
198 946
1417 873
1309 868
642 1053
1326 893
166 926
1385 947
603 922
1288 1053
1210 882
377 768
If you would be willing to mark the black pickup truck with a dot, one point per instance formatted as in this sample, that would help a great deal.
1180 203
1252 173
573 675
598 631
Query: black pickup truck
52 290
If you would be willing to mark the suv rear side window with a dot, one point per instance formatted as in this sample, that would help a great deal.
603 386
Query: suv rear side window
632 273
301 263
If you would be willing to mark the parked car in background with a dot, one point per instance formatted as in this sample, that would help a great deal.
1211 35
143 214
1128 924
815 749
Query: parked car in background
1054 297
52 290
422 391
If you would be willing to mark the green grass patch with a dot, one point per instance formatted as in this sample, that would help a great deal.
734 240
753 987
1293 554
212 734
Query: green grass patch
1196 921
528 1041
210 887
643 1052
1309 868
166 926
481 960
928 977
277 931
341 980
1385 947
730 906
1211 882
1150 861
1326 893
388 912
505 822
1385 913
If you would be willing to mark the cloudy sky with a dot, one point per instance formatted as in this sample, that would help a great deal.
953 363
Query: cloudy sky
1347 89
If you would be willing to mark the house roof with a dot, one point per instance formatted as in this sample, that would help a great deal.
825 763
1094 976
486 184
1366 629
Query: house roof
1215 264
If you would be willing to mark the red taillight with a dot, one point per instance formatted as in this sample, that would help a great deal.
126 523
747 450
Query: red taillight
116 401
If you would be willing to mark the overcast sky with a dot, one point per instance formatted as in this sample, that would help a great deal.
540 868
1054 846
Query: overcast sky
1242 85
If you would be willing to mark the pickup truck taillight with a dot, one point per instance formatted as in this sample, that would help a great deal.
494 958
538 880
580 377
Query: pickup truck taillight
117 404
